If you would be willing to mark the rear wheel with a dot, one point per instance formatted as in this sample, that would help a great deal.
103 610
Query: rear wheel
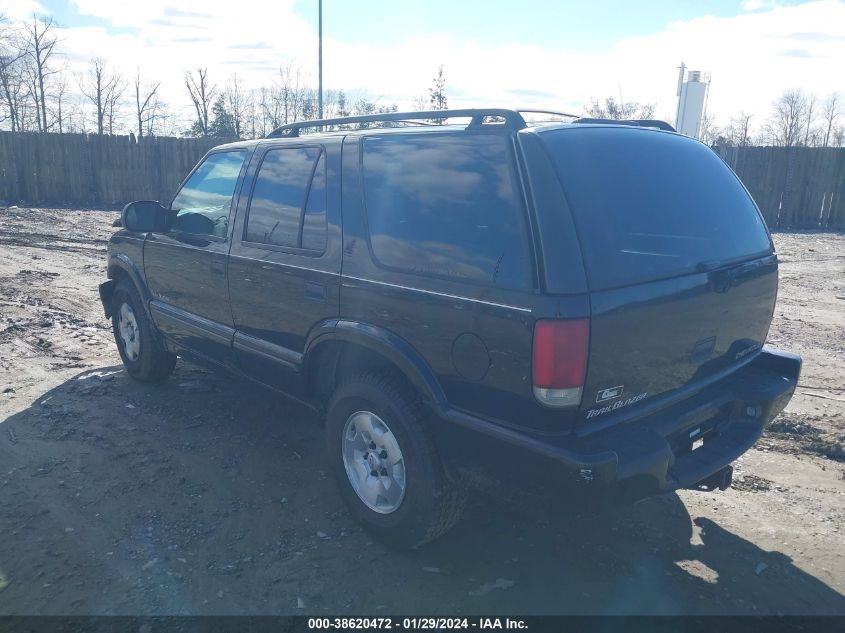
141 350
385 462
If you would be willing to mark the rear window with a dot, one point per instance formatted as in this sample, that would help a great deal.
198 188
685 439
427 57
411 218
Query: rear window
446 206
288 205
649 205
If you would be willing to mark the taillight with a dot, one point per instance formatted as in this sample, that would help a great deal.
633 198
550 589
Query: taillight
559 362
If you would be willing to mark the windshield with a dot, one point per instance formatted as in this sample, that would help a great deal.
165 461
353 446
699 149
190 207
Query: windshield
650 205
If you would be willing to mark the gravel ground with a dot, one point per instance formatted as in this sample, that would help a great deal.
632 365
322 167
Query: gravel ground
207 496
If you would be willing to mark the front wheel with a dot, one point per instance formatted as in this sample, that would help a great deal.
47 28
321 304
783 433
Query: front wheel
141 350
386 464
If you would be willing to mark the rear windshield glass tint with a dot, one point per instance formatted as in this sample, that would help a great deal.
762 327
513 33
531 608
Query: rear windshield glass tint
650 205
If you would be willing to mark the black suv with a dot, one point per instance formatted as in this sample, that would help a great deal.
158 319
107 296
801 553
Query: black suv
570 308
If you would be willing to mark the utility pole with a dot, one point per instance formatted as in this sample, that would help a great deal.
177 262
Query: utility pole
320 59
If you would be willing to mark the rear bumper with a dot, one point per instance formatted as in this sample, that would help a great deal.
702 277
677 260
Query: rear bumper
638 459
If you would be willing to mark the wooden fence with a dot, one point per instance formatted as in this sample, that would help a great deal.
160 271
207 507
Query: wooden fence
83 170
795 187
798 187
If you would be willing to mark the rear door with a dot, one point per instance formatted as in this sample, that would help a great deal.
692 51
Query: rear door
185 267
680 265
284 263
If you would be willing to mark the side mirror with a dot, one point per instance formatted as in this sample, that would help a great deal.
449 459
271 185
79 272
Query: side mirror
144 216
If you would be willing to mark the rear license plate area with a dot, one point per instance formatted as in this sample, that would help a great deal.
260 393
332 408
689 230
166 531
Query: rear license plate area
693 437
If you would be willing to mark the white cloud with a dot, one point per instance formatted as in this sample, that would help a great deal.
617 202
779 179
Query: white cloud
756 5
752 57
21 9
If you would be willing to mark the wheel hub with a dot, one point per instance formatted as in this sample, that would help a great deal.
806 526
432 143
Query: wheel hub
127 329
374 462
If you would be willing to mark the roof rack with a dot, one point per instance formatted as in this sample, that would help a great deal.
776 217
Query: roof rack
554 112
512 119
660 125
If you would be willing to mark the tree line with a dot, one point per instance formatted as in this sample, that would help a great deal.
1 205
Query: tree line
796 118
39 94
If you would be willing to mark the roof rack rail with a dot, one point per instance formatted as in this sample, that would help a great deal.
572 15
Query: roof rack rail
554 112
660 125
512 119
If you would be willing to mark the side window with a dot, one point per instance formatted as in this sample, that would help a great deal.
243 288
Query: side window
314 221
288 205
446 206
202 206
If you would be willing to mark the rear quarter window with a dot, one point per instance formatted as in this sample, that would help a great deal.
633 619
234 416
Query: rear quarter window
447 206
650 205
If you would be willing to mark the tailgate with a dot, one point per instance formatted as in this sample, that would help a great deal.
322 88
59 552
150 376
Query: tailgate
657 337
680 266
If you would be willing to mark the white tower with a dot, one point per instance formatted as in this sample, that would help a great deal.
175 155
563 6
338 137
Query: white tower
692 98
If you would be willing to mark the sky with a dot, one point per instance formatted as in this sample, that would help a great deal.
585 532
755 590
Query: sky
534 53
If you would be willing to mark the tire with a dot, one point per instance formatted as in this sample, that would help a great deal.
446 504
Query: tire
140 347
425 505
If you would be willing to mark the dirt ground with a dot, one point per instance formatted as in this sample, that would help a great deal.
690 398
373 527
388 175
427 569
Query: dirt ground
206 496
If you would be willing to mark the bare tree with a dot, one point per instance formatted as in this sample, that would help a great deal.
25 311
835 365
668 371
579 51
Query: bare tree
788 119
74 118
12 82
59 101
830 114
838 138
738 131
18 81
31 104
709 131
40 48
613 109
146 101
104 90
113 97
744 127
811 104
159 118
265 120
330 103
252 116
289 94
237 102
201 92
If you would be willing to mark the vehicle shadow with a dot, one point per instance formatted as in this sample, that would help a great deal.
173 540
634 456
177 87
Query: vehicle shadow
206 495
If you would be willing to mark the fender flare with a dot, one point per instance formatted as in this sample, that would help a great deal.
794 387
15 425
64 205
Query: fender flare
385 343
124 263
